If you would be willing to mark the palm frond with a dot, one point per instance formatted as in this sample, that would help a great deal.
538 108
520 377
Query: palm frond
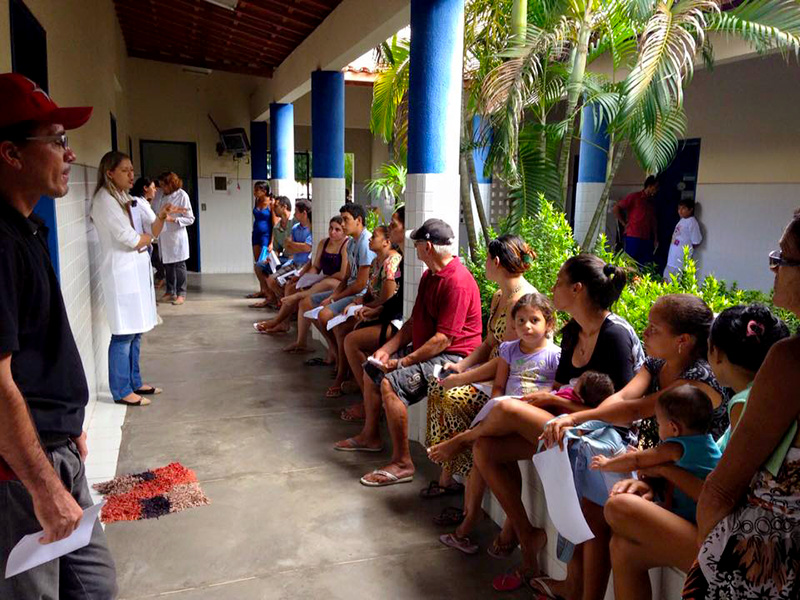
656 144
389 90
765 24
668 47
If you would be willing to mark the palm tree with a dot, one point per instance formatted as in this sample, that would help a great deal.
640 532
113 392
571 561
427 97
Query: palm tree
389 112
536 95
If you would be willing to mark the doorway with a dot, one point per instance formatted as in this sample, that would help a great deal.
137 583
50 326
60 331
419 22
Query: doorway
181 158
678 180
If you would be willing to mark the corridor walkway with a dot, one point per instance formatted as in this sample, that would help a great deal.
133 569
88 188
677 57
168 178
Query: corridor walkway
288 517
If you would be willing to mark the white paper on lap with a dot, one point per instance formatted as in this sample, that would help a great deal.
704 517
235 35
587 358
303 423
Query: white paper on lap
313 313
487 408
282 279
309 279
29 553
339 319
563 505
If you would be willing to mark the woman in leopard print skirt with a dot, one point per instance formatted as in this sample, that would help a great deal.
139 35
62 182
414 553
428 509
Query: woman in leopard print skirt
453 402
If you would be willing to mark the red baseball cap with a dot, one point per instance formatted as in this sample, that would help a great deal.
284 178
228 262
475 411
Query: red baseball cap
22 100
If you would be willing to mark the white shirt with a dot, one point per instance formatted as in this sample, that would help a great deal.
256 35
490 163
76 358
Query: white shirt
143 216
173 243
125 272
687 233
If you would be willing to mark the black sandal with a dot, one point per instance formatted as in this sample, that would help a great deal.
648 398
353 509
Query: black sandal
139 402
449 517
434 490
148 392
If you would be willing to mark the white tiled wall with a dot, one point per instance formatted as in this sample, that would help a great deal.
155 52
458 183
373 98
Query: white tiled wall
83 296
427 196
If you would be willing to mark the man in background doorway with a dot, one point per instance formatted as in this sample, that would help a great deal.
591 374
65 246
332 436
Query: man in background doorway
639 222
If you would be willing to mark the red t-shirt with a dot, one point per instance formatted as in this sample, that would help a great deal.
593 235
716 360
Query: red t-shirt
639 209
448 302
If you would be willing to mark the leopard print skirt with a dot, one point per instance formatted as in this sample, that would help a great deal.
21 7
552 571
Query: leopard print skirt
451 412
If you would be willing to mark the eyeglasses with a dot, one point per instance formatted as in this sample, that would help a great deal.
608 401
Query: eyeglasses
60 139
776 260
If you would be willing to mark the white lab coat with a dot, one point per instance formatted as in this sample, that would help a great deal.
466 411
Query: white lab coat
125 273
173 243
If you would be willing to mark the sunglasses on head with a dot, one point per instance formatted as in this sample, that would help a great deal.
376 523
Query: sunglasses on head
776 260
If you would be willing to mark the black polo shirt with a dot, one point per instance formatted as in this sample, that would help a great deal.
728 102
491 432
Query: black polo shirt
34 328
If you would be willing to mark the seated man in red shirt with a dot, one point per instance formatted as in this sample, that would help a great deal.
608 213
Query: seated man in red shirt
445 326
641 233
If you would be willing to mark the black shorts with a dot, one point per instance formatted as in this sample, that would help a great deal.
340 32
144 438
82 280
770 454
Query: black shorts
411 383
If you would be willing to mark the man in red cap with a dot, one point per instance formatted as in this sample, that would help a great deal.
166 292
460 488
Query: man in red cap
43 389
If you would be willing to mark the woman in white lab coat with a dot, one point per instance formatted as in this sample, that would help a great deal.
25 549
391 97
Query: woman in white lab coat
173 243
126 275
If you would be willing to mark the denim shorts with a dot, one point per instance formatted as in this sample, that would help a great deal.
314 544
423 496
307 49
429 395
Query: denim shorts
336 307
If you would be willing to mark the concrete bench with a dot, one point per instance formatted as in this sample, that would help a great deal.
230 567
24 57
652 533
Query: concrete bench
667 583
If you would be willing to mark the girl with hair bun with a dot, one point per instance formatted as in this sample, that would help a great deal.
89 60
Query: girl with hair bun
595 339
739 340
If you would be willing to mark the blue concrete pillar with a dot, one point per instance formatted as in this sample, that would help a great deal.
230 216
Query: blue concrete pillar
434 123
327 148
281 142
258 150
592 163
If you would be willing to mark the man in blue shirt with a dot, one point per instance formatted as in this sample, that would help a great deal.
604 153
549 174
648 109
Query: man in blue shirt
359 259
299 247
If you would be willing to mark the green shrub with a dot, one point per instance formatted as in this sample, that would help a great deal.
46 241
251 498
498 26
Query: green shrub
550 236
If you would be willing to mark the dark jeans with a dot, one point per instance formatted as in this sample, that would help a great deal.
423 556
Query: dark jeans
176 278
155 260
123 365
86 574
640 250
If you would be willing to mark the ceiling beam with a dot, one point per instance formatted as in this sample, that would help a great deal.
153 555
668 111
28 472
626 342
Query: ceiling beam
173 15
252 22
204 64
136 30
281 16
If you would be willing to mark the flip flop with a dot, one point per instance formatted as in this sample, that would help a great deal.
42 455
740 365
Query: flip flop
498 550
347 415
317 362
508 582
254 295
354 446
544 590
392 479
335 391
449 517
151 391
434 490
462 544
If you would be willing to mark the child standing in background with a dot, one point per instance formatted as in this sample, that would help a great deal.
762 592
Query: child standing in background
687 233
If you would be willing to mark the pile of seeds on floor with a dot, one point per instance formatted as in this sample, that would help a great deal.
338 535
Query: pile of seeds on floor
150 494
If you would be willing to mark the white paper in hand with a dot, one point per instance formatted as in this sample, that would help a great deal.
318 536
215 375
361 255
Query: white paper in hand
274 263
313 313
29 553
559 492
350 312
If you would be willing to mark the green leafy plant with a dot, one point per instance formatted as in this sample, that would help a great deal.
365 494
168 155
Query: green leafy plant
550 236
390 184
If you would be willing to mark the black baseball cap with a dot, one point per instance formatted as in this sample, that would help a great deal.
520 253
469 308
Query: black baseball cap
434 231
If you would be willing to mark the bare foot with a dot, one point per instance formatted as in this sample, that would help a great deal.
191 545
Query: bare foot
277 329
445 451
398 470
265 325
357 443
297 349
354 412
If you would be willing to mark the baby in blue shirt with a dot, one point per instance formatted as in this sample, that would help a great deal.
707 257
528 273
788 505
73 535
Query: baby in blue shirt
684 415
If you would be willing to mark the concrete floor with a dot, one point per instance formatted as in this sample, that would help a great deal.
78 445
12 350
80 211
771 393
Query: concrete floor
288 517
